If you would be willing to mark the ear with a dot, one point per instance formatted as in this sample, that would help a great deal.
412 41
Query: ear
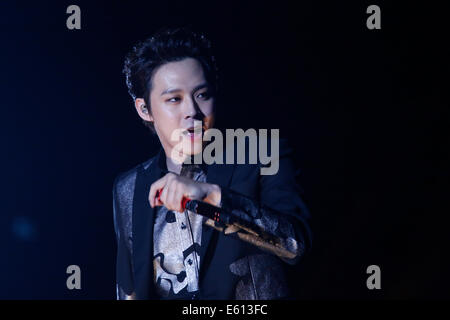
142 109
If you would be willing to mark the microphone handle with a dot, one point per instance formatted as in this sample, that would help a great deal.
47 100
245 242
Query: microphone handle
218 215
205 209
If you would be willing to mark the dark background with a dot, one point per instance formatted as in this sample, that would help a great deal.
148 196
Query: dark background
365 110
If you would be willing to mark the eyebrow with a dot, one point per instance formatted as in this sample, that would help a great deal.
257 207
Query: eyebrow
200 86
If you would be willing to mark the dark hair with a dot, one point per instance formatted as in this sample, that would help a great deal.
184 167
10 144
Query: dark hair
167 45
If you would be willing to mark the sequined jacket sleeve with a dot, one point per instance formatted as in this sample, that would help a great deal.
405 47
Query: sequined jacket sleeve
279 212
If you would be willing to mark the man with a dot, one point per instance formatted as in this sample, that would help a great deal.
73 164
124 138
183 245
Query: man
168 252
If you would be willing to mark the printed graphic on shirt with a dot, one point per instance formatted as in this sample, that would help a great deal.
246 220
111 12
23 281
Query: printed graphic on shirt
177 240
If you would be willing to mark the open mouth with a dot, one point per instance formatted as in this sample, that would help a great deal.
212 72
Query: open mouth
193 131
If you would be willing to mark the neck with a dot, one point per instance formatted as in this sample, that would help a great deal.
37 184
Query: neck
173 166
174 161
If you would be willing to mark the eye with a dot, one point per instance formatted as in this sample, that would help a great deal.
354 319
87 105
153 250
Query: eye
173 99
203 95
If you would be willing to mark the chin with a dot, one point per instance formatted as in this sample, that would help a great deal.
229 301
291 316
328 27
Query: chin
193 148
187 149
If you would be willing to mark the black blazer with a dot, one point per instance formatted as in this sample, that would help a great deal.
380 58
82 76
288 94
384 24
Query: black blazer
230 268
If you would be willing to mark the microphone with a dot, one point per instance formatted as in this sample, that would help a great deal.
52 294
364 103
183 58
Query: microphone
218 215
221 220
205 209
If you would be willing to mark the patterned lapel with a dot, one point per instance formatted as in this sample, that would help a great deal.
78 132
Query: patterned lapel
143 223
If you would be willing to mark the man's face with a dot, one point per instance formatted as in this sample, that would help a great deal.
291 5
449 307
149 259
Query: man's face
180 95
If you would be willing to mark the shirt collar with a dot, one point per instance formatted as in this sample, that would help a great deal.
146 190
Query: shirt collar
162 164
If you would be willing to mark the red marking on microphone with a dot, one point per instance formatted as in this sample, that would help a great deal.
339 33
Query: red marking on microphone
158 194
184 201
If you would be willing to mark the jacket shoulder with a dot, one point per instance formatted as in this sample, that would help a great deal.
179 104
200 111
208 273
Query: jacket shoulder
124 184
128 177
123 194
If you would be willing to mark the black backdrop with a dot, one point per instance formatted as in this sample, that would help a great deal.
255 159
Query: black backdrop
364 109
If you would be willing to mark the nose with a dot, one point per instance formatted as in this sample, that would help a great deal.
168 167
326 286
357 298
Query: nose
191 109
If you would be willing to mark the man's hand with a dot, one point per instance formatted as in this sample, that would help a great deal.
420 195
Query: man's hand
175 188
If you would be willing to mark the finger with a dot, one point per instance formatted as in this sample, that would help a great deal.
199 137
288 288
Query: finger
171 196
157 198
154 190
178 196
155 187
163 196
167 191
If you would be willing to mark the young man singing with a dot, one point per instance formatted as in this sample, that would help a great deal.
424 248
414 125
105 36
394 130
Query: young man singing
166 251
